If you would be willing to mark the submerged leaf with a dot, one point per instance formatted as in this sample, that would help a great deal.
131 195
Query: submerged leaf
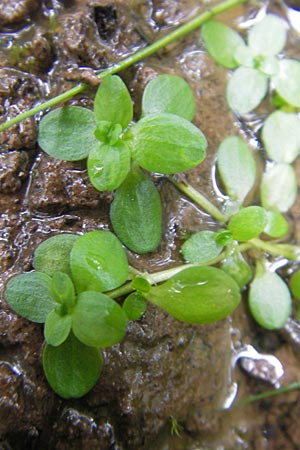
136 214
134 306
168 94
201 247
246 89
29 294
269 300
268 37
72 368
108 166
98 320
67 133
98 262
248 223
236 167
287 81
235 265
279 187
113 102
166 143
221 42
197 295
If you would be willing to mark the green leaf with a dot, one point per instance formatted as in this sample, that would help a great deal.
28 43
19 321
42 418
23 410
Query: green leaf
62 289
235 265
221 42
281 136
166 143
135 213
140 284
57 328
248 223
98 262
67 133
201 247
108 166
168 94
113 102
269 65
279 187
197 295
244 56
72 368
98 320
287 81
108 133
246 89
268 37
277 226
236 167
295 284
53 255
29 294
134 306
269 300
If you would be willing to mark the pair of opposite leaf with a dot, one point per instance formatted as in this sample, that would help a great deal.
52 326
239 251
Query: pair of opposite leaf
163 141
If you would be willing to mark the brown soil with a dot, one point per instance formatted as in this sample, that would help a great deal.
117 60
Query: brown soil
163 369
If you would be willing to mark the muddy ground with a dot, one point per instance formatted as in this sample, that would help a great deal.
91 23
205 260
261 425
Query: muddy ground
163 370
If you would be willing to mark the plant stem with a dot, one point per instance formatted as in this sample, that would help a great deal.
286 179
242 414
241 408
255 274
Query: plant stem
288 251
199 199
266 394
129 61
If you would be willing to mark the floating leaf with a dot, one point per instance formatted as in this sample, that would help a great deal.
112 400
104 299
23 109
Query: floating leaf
246 89
62 289
134 306
281 136
108 166
287 81
53 255
168 94
57 328
197 295
268 37
73 368
98 320
235 265
201 247
295 284
113 102
29 294
279 187
277 226
67 133
244 56
248 223
98 262
166 143
269 300
221 42
135 213
236 167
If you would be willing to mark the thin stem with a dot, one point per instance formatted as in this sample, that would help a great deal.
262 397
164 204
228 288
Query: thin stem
267 394
129 61
288 251
199 199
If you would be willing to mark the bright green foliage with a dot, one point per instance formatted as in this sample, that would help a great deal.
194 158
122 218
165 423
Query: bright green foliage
140 284
295 284
221 43
235 265
246 89
236 167
62 289
135 213
57 328
269 300
67 133
166 143
72 368
201 247
168 94
113 102
268 37
53 255
108 165
277 226
97 320
287 83
279 187
135 305
281 136
29 295
98 262
248 223
197 295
